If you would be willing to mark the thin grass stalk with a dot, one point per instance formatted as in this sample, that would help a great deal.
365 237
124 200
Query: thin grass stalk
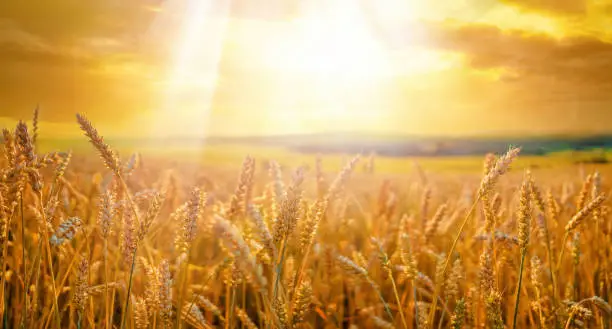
259 302
441 318
50 261
415 297
184 283
518 289
386 262
5 314
37 265
562 252
541 314
62 282
129 290
228 292
181 284
106 304
3 279
243 295
232 305
553 274
382 299
34 273
25 269
191 304
112 301
300 273
436 292
399 303
268 309
279 269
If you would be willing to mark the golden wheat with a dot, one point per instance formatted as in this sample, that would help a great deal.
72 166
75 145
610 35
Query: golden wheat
137 247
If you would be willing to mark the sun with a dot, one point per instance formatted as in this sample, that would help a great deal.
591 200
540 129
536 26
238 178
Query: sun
334 42
328 67
336 51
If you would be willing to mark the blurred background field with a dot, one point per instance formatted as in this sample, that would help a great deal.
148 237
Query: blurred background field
230 153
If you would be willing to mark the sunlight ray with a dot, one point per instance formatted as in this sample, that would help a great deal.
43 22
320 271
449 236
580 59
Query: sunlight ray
194 67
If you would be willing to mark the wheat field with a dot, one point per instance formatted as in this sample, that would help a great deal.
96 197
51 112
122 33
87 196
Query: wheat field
112 242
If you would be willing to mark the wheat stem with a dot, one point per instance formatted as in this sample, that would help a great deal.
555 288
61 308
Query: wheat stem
562 251
129 290
106 304
518 289
227 304
434 299
25 269
415 297
553 274
399 303
48 247
279 269
382 299
232 305
183 284
3 279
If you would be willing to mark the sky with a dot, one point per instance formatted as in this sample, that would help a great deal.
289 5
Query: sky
192 68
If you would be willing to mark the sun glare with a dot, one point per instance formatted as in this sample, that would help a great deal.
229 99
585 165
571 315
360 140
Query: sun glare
339 46
338 52
334 48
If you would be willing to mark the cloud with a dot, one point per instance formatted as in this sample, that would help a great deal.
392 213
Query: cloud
63 20
12 52
17 45
551 6
515 81
75 32
115 60
584 59
71 65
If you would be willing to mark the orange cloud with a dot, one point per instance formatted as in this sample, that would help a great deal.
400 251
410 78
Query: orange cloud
554 6
583 60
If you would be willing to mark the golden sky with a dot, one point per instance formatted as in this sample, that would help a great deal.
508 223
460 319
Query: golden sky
243 67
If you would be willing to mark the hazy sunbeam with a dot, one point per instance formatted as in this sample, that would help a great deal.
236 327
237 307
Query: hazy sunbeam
194 72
